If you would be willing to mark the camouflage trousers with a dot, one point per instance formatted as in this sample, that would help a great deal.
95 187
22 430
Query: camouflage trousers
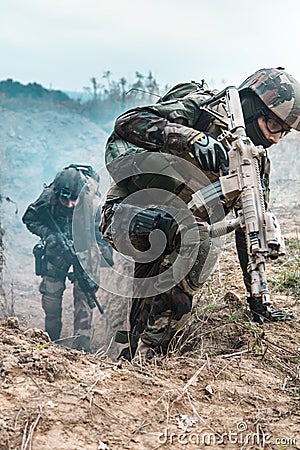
52 288
156 320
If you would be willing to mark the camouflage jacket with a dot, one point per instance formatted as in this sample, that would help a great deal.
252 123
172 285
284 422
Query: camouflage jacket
36 217
166 127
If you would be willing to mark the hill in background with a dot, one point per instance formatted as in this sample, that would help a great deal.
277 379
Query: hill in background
32 91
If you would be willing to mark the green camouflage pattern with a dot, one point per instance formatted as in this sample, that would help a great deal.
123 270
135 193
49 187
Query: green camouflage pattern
279 91
166 127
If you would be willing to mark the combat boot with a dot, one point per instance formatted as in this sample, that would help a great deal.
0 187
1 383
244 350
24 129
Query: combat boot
263 312
82 343
143 354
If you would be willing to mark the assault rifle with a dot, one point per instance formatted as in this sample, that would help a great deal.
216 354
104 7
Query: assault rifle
243 182
86 284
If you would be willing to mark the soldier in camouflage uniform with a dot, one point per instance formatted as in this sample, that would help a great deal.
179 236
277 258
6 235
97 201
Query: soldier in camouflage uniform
59 200
270 100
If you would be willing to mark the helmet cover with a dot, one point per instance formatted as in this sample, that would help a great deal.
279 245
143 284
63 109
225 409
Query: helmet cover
279 91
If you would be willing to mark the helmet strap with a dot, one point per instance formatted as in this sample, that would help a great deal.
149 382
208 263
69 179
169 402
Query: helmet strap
253 108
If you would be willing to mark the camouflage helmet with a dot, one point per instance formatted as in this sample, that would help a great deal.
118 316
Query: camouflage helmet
68 183
279 92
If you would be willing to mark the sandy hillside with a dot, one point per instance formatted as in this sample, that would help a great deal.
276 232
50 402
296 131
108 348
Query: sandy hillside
229 384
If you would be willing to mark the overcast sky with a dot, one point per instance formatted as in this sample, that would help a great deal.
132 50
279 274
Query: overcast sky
63 43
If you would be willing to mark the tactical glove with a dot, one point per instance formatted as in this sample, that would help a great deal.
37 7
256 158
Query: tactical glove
210 153
54 240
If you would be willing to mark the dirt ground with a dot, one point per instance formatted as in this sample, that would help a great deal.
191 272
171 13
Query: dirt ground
229 384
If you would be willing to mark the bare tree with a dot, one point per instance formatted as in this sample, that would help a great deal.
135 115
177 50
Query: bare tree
107 75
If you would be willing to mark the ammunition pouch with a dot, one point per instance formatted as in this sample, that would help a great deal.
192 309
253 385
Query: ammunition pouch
138 223
39 255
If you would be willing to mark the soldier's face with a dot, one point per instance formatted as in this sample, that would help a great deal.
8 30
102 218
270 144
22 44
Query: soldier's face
68 203
272 128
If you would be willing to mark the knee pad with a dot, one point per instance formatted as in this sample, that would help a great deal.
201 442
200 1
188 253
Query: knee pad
204 263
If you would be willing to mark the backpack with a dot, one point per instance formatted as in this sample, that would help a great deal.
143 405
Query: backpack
180 90
117 148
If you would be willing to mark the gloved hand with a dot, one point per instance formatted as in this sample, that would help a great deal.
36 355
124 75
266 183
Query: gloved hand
210 153
54 240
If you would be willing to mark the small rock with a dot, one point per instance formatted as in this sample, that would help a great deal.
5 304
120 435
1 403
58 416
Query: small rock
37 333
12 322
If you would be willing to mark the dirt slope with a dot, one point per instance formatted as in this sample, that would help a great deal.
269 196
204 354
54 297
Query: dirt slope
231 384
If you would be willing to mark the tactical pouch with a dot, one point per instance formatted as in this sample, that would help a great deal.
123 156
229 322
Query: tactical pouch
141 222
39 255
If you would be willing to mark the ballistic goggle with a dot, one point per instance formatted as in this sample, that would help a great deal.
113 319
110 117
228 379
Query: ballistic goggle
66 194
